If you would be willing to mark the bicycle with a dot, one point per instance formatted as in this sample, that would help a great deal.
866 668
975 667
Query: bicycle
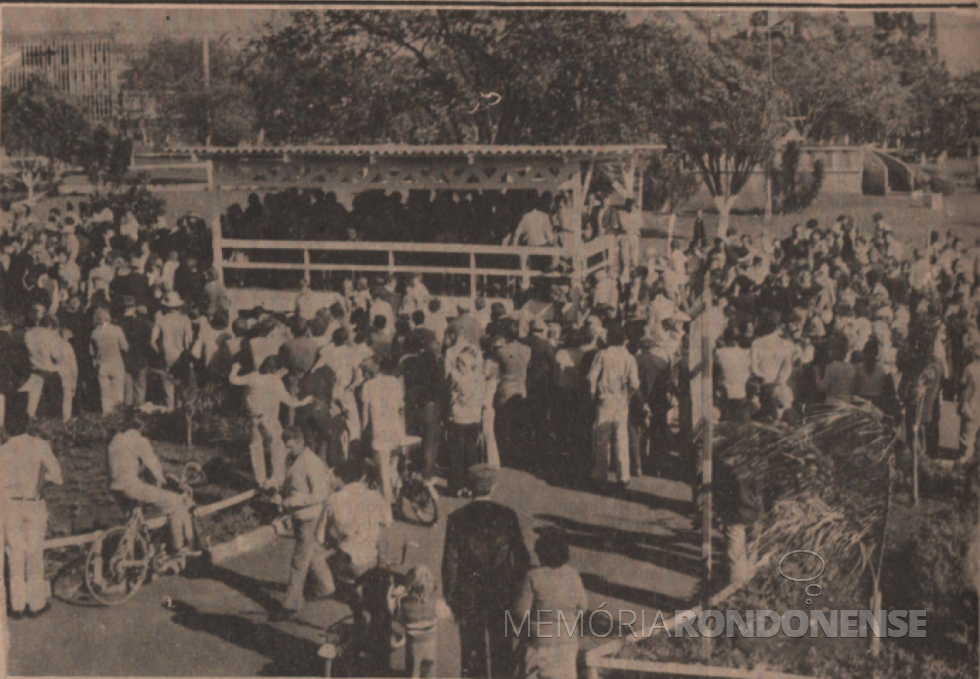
410 486
124 557
347 649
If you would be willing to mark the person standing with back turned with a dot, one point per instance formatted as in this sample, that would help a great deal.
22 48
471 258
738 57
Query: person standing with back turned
26 461
483 566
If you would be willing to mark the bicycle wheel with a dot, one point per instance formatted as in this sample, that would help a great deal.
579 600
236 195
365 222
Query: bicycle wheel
117 566
420 499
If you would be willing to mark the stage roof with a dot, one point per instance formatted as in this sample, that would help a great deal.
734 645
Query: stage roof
609 152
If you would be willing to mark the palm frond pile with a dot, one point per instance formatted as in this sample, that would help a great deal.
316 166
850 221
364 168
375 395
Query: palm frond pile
821 485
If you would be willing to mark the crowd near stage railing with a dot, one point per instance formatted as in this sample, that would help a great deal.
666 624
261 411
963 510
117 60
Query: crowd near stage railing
456 270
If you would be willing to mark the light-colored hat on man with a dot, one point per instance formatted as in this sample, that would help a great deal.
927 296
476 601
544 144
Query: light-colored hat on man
172 299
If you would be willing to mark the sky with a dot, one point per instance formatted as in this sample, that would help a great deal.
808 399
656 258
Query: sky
959 32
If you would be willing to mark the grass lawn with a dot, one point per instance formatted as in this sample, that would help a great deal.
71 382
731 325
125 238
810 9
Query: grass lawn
84 503
912 224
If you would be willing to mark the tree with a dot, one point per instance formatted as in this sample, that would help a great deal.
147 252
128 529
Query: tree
794 190
721 112
105 157
42 134
453 77
835 81
961 110
171 74
668 182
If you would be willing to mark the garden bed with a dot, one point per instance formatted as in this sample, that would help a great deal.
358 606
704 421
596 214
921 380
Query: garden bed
84 503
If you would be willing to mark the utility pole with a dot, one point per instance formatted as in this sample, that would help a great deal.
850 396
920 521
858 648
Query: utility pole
207 84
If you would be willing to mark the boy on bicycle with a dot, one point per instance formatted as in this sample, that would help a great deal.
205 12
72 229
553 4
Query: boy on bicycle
130 454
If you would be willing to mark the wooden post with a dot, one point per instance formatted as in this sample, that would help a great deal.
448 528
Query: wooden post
4 632
473 277
218 256
639 192
707 432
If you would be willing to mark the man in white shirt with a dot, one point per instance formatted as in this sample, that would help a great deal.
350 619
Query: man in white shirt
264 393
43 348
613 378
305 491
771 357
67 365
306 305
383 418
344 360
356 515
26 461
535 228
172 335
130 453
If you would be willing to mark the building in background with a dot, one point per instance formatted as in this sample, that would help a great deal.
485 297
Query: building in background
81 65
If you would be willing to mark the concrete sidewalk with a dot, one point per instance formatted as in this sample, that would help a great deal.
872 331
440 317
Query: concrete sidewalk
637 553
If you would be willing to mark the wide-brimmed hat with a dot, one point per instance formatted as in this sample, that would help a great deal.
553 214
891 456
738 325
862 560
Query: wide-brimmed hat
172 299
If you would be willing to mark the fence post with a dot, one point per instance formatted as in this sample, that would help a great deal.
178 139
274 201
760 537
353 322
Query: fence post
307 274
473 277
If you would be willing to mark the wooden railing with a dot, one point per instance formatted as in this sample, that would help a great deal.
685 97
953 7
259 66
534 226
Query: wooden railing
389 257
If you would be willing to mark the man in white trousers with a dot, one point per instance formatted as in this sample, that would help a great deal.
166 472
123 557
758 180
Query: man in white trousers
26 461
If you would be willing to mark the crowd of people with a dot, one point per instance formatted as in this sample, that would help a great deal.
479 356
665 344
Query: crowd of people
86 300
572 381
442 216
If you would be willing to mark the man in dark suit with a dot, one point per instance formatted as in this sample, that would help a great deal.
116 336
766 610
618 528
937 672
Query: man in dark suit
483 565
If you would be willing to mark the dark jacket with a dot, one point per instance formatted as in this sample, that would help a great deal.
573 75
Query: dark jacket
485 558
542 366
15 365
138 331
655 380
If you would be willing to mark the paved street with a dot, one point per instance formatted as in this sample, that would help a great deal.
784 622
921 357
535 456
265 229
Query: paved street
634 554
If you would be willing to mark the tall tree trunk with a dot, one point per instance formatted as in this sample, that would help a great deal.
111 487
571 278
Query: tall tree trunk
30 181
724 205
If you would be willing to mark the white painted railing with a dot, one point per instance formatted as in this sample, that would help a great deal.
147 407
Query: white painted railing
239 254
